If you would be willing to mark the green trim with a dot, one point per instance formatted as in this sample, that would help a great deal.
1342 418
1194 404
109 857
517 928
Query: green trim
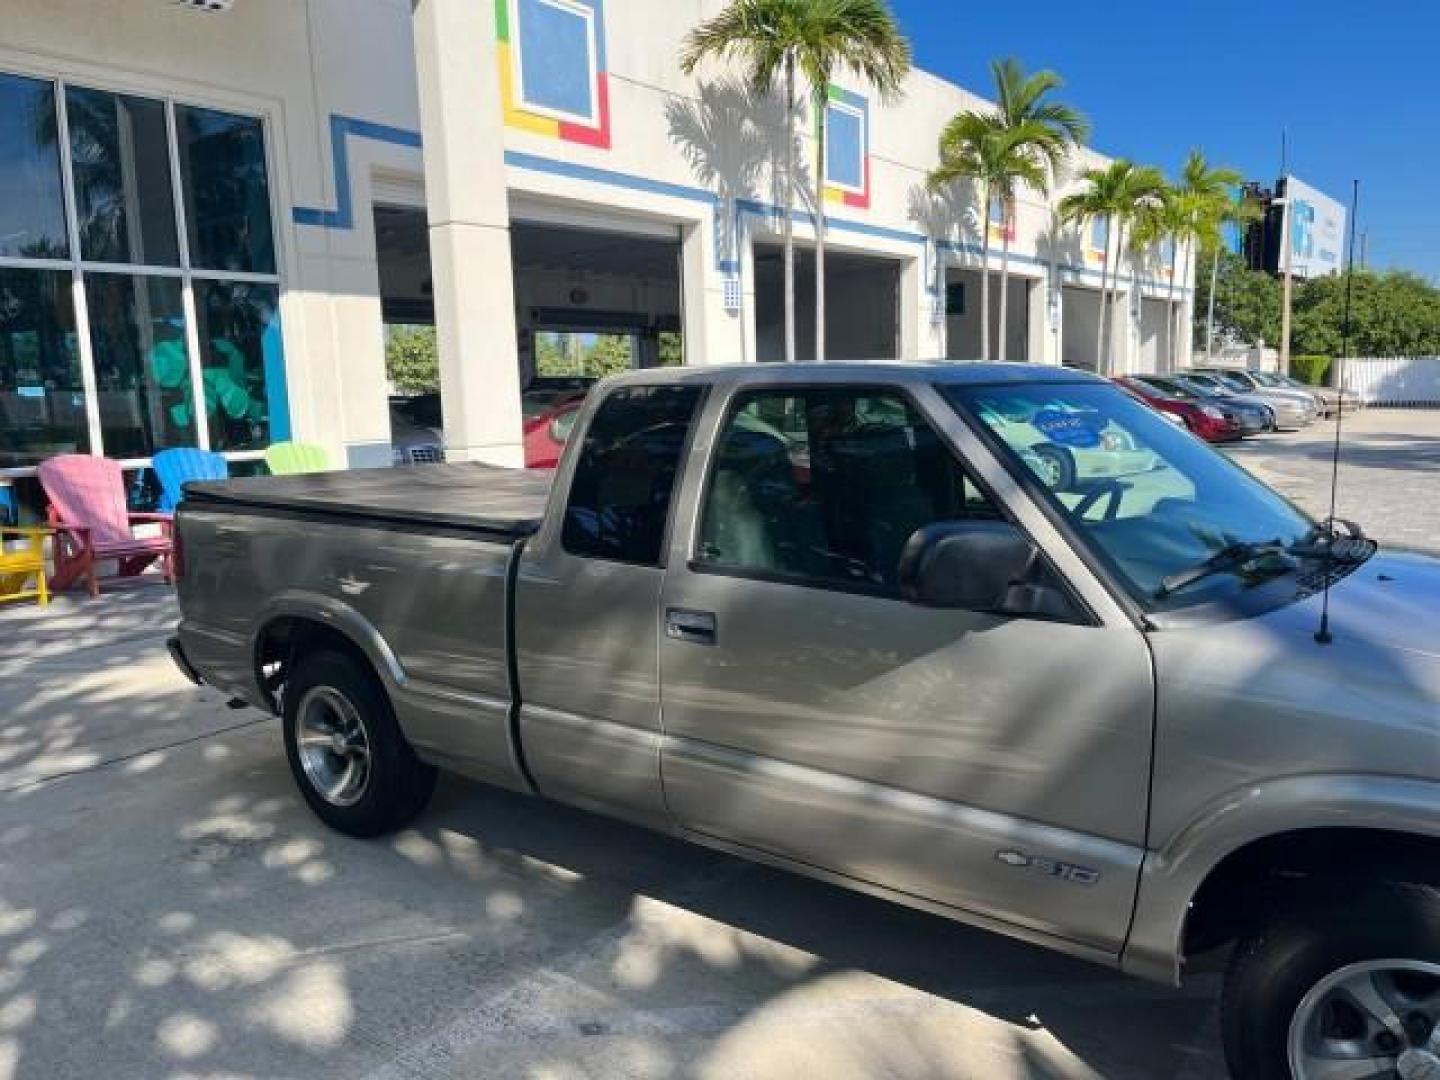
502 20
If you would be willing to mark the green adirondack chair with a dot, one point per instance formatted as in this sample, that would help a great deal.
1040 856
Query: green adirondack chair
288 458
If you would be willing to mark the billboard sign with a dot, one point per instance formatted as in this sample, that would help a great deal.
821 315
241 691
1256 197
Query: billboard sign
1316 229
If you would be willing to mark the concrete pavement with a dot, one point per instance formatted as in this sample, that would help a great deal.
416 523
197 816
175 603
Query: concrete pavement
169 908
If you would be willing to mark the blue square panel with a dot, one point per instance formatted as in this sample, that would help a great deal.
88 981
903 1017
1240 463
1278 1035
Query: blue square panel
845 150
556 61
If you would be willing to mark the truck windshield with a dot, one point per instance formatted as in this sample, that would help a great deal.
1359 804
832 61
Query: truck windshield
1149 499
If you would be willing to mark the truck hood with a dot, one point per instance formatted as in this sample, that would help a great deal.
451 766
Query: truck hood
1248 701
1392 601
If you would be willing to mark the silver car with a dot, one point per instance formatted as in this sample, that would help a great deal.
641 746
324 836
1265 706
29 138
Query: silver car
1293 409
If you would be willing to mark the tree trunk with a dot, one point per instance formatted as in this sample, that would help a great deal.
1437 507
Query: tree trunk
822 100
1115 295
1004 283
1180 327
788 225
1210 307
1170 309
985 278
1104 299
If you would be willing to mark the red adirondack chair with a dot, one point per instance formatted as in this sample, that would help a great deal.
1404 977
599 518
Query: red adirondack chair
93 525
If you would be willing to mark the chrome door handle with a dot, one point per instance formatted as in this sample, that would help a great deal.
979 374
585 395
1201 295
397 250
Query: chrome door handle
696 627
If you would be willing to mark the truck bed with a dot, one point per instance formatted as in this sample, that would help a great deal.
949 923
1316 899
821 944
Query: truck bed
500 503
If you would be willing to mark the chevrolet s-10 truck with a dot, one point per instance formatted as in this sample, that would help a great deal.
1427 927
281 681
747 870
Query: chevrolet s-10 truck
855 620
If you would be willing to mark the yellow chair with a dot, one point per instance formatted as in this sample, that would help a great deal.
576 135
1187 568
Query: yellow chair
23 562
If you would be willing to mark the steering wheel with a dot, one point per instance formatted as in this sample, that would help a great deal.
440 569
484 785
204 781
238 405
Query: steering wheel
1103 487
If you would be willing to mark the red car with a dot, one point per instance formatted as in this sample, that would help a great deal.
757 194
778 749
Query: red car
548 422
1205 419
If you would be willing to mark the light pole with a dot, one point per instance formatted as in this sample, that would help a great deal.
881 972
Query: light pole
1285 301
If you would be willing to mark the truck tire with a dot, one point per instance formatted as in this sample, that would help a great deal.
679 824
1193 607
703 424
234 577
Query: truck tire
1355 976
346 751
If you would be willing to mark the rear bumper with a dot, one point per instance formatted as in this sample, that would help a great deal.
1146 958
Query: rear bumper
177 653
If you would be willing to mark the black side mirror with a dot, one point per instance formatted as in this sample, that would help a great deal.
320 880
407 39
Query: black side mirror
988 566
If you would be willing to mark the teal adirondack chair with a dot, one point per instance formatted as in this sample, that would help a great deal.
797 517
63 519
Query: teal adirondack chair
288 458
174 467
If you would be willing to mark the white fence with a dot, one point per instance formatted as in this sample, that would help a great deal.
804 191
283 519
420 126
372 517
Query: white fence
1393 380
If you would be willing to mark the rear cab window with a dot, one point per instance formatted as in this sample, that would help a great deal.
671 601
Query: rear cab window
625 475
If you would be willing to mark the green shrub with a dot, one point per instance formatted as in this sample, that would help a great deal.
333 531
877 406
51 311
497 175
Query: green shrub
1310 370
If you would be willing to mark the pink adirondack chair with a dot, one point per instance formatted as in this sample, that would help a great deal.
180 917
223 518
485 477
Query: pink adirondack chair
93 525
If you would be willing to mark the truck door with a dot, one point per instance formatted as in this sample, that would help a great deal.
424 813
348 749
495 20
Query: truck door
997 765
587 607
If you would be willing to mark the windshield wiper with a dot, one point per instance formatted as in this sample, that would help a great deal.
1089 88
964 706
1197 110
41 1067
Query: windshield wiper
1340 541
1244 557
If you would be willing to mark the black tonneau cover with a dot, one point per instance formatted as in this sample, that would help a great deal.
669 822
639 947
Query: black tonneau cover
504 503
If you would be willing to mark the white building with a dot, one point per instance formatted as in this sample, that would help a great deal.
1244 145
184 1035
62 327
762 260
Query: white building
207 217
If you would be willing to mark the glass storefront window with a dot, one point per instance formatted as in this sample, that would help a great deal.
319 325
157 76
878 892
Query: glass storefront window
120 157
227 195
170 208
239 326
42 399
32 206
142 373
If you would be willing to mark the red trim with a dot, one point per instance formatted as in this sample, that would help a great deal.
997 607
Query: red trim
596 136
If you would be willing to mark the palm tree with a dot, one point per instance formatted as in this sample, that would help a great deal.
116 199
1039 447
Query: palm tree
1117 195
1025 100
776 39
982 148
1213 204
1176 216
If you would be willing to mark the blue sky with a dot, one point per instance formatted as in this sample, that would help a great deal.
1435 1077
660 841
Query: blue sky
1356 85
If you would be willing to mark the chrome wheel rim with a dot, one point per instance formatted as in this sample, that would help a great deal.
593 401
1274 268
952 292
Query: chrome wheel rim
333 745
1377 1020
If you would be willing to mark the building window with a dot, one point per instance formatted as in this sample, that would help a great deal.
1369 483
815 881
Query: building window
120 159
42 394
142 374
239 331
163 238
227 195
32 205
845 147
557 37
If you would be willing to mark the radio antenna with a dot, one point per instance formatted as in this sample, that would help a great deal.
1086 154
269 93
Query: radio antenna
1323 634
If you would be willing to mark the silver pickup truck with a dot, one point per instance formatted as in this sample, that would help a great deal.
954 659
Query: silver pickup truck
992 641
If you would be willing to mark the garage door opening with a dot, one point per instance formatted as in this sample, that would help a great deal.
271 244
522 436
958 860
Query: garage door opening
862 302
1080 323
407 310
591 302
962 317
1155 336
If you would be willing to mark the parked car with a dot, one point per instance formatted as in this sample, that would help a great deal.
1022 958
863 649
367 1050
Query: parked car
1252 417
548 420
1213 422
1291 413
548 410
417 434
1097 717
1248 382
1331 398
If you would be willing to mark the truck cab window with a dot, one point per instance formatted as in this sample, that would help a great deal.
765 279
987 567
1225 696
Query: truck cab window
625 476
827 485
